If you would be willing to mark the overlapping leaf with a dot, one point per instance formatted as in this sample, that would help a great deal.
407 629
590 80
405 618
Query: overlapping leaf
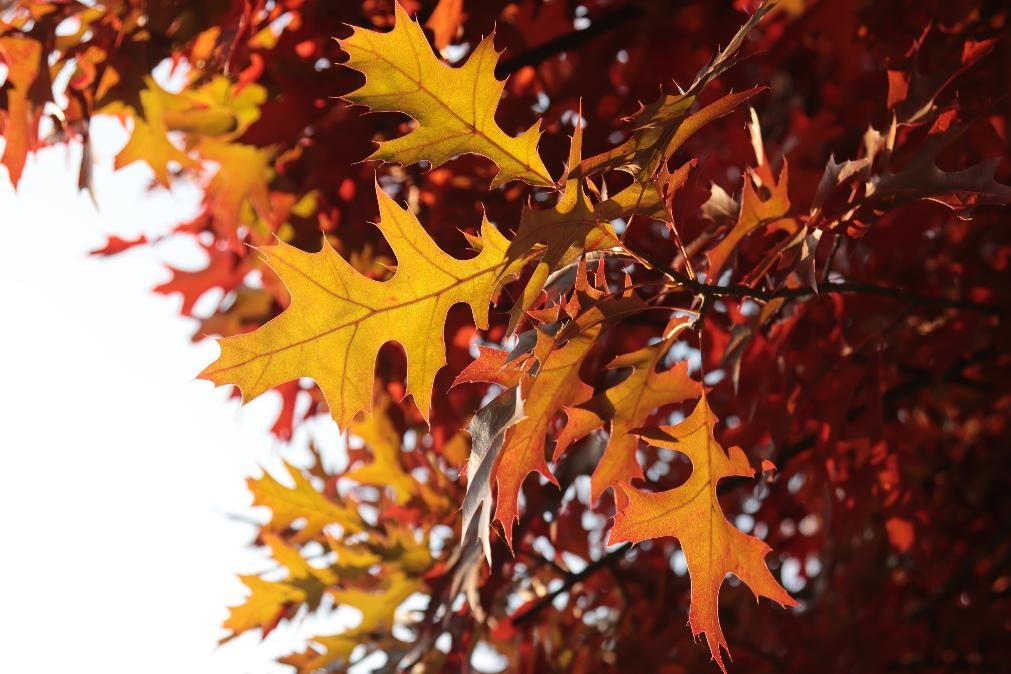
563 233
550 387
298 502
271 600
757 210
383 441
626 406
377 608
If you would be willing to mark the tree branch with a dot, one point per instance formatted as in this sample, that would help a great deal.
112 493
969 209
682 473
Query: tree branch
570 580
826 288
602 24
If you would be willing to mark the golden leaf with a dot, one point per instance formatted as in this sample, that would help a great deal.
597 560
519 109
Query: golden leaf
385 470
454 107
302 501
217 110
270 601
338 319
377 608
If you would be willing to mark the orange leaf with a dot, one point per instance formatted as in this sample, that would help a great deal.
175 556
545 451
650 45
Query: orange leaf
691 513
23 57
627 405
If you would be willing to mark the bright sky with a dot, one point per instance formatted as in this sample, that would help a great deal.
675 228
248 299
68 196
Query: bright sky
119 470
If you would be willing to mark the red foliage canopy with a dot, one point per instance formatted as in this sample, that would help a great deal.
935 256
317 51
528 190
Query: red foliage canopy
830 273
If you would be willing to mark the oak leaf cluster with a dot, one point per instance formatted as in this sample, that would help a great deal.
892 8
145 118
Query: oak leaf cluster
560 329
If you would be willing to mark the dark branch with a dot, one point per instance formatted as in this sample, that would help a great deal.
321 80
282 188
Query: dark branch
570 580
601 24
825 288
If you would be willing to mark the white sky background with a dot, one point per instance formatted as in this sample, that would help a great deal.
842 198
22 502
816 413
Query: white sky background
119 470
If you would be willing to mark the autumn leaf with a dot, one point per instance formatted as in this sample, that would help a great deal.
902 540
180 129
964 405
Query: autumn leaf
383 440
239 187
493 365
216 112
445 21
664 125
831 303
560 234
270 601
661 129
149 141
301 501
454 107
488 431
246 312
554 386
267 603
712 546
23 58
626 406
758 209
377 609
338 319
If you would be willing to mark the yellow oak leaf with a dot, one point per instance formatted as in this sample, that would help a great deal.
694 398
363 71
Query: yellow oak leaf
454 107
299 568
712 546
378 610
338 319
217 110
240 183
23 58
268 602
301 501
627 405
385 470
149 141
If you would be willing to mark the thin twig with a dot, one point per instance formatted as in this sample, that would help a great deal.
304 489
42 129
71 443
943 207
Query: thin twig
570 580
831 287
601 24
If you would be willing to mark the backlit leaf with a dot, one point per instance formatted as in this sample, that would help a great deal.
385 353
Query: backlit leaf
712 546
454 107
338 319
